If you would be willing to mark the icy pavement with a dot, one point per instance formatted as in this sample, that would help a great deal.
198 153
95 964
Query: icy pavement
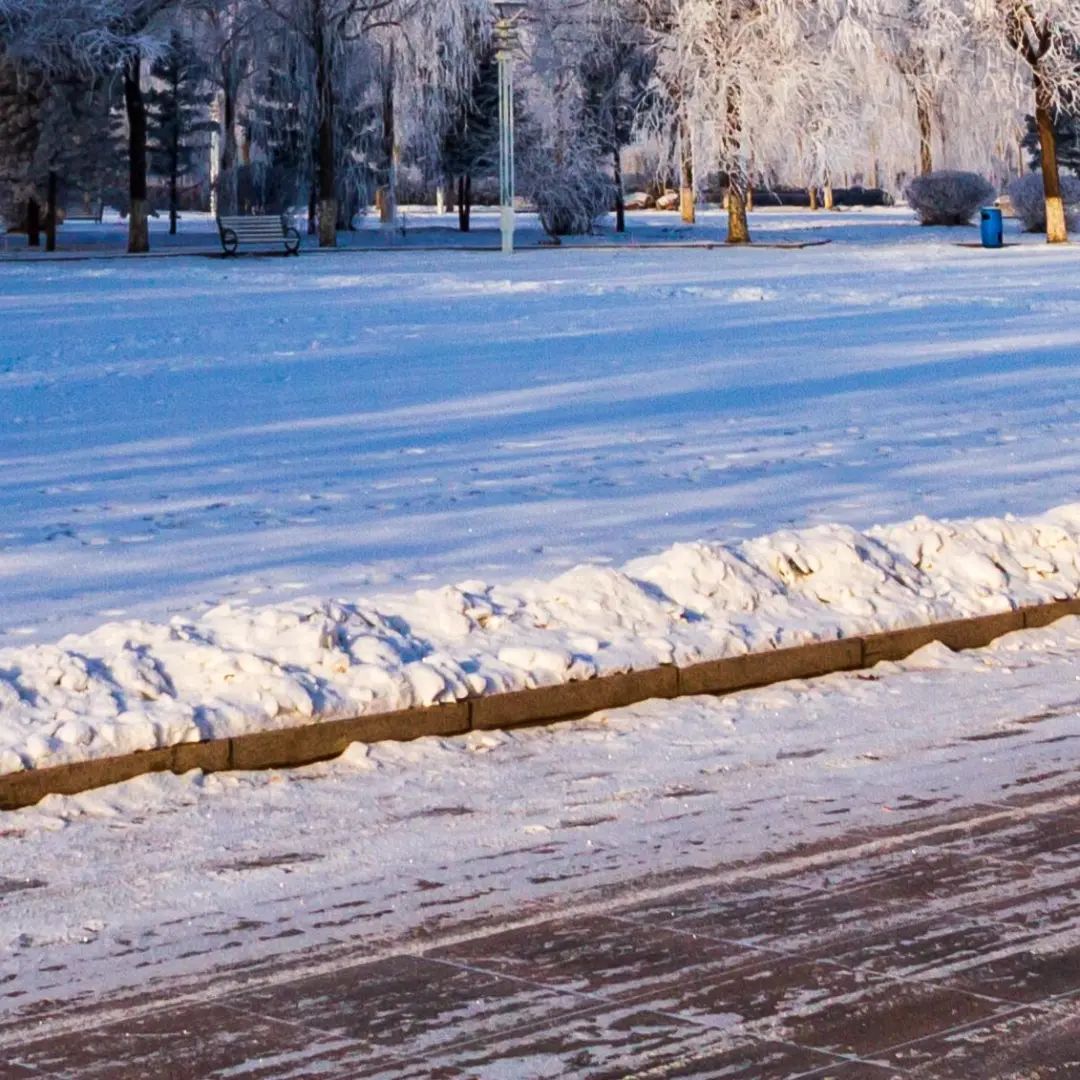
864 863
180 432
887 962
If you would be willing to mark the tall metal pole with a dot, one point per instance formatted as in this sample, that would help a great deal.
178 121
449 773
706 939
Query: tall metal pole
505 35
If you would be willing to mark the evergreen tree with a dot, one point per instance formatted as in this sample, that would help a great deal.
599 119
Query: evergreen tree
21 101
1067 134
177 108
471 145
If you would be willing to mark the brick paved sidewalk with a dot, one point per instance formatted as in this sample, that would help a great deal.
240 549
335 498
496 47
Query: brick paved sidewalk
949 948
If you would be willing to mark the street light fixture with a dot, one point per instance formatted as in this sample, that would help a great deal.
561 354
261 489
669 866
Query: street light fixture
506 41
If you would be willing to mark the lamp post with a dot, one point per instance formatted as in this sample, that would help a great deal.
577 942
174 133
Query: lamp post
506 40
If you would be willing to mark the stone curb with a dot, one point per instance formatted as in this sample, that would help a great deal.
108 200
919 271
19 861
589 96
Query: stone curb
309 743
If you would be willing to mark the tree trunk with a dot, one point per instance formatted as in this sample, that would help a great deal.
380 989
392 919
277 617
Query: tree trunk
33 222
389 145
324 90
926 136
749 199
738 226
1057 230
50 212
686 173
811 191
138 213
227 195
464 202
174 178
830 200
620 198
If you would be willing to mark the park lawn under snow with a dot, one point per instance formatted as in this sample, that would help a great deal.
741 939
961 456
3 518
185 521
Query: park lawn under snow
185 442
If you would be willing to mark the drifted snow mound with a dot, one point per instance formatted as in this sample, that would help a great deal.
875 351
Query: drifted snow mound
235 669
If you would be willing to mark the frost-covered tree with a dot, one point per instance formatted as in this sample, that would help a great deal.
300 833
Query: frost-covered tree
1038 39
280 121
62 37
744 73
615 74
414 51
908 58
328 31
227 35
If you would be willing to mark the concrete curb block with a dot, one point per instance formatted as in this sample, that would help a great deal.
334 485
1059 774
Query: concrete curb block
309 743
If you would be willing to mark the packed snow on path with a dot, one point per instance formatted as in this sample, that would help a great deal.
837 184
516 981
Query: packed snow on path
133 685
180 432
168 878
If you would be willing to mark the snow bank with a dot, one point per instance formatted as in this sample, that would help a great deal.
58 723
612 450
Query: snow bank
135 685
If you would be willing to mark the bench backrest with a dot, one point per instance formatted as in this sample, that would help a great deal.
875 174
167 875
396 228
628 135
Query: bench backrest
81 213
264 227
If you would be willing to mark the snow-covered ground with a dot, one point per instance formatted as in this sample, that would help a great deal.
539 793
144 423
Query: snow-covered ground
179 432
168 878
186 441
195 440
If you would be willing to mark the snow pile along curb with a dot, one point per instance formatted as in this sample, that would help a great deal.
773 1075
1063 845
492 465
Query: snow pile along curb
237 671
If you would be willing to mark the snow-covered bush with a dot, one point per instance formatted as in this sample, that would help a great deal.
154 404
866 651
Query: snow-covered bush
569 195
947 197
1029 201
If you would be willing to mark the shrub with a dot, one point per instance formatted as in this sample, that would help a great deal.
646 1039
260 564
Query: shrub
570 196
1029 201
947 197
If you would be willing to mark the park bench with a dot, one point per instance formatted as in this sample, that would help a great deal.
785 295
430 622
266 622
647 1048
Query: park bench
258 231
92 214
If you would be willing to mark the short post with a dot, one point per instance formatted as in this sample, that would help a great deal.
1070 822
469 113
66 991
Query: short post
506 40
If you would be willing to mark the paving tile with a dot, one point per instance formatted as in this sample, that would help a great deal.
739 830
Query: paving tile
918 874
1029 971
1010 963
855 1070
182 1044
756 915
409 1006
609 1043
611 957
1050 902
1052 839
820 1005
1027 1044
931 949
819 909
757 1060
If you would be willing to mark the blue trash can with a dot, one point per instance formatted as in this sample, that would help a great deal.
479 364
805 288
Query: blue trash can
992 227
